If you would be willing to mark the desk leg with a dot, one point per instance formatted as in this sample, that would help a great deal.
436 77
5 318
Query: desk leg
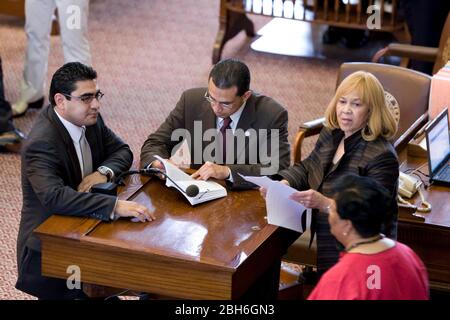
266 288
230 24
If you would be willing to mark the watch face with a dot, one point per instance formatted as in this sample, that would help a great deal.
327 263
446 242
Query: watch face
103 171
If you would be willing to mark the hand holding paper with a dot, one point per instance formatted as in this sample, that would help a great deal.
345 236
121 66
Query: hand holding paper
281 210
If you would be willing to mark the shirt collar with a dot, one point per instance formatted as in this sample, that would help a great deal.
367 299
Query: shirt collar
234 117
75 131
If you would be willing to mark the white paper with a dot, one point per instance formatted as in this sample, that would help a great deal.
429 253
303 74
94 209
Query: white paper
174 172
208 190
264 181
281 210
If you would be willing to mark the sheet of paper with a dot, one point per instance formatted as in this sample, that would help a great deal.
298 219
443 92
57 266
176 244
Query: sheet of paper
264 181
423 143
174 173
281 210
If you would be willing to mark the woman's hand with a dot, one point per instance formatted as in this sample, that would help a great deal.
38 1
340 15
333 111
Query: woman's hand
312 199
263 191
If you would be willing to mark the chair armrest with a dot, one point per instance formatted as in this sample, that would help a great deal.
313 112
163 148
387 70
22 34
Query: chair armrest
407 50
307 129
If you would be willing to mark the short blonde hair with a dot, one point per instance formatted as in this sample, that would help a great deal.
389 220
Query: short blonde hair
381 122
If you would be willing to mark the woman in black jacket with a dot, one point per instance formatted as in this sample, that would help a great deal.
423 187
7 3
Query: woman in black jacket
354 140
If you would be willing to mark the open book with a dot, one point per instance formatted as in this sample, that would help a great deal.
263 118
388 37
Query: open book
208 190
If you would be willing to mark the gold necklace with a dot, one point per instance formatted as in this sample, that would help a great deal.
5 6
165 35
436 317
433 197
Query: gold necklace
354 245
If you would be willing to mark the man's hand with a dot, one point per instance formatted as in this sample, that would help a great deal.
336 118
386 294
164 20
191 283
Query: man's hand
133 209
88 181
211 170
312 199
158 165
263 191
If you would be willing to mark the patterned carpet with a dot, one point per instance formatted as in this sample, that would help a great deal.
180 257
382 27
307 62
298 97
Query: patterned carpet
146 54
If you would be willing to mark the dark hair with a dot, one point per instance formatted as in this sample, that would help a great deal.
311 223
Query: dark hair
231 72
65 78
363 201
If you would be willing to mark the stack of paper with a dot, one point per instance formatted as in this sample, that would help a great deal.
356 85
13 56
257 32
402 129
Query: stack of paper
281 210
208 190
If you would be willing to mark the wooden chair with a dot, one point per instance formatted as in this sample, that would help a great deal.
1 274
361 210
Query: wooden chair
411 90
347 14
439 55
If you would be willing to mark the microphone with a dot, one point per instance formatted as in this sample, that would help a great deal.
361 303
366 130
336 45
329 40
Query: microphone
191 191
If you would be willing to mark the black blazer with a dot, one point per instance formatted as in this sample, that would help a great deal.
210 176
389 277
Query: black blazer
260 112
376 159
51 174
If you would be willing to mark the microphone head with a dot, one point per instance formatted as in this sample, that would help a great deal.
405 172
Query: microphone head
192 190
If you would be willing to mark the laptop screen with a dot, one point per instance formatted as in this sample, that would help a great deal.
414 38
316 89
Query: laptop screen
438 140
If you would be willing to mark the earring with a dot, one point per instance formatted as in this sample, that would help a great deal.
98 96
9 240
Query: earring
345 233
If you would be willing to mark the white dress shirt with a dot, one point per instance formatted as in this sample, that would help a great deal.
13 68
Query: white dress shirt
234 121
75 133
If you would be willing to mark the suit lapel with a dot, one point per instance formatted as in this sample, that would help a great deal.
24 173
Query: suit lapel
329 151
209 120
248 116
73 167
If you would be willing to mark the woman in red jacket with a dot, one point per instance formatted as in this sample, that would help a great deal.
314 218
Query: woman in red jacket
372 267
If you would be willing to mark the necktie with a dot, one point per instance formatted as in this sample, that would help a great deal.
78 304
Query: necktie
85 154
225 126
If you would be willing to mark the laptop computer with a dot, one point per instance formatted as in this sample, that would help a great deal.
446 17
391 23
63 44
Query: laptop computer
438 149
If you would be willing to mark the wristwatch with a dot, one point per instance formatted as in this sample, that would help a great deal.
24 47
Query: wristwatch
106 172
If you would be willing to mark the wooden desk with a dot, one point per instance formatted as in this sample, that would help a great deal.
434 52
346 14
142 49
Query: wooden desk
223 249
428 234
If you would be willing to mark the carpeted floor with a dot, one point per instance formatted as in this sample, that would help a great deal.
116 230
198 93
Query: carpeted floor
146 54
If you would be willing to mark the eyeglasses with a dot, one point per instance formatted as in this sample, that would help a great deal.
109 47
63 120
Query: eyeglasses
211 100
87 98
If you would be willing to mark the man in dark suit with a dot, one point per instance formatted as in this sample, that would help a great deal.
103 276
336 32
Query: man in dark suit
69 149
250 131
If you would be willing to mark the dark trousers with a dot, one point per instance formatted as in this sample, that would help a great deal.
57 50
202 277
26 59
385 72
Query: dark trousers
31 281
425 19
5 108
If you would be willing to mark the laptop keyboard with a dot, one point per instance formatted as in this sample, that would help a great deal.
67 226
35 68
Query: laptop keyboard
444 174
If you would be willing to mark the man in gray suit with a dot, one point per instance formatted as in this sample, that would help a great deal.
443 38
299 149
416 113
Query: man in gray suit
228 128
68 151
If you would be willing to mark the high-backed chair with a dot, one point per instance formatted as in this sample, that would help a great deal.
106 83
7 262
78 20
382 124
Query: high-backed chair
439 55
411 90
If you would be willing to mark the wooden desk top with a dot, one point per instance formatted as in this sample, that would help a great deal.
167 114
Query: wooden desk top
224 238
438 196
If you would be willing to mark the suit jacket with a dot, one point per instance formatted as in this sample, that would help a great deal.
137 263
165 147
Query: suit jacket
376 159
51 174
260 112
